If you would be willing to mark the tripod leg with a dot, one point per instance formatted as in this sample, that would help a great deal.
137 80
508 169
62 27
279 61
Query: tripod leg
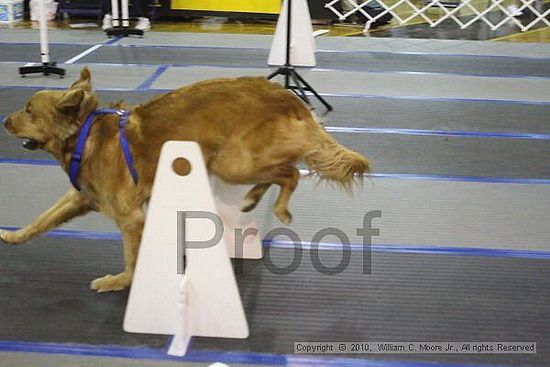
283 70
274 74
309 88
298 86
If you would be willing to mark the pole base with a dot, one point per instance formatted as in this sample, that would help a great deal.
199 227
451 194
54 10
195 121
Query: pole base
123 32
299 86
46 68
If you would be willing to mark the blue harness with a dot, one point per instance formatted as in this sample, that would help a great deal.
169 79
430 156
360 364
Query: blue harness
76 158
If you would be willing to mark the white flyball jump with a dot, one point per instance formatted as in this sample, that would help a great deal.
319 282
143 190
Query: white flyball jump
302 42
204 300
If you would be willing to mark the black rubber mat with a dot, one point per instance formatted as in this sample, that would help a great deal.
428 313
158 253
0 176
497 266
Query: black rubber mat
31 52
378 112
45 294
375 62
407 297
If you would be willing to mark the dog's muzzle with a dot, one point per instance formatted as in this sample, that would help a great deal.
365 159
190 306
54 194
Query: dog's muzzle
7 123
30 144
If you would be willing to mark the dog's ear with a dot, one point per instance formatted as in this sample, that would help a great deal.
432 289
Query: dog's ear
71 100
118 104
85 81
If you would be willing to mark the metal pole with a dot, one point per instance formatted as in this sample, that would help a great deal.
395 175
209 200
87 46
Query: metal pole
114 10
46 67
125 14
288 30
43 24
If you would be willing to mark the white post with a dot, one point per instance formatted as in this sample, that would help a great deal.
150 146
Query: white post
116 15
43 24
125 14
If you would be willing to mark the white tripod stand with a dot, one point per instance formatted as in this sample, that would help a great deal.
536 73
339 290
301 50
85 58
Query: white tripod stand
47 66
121 27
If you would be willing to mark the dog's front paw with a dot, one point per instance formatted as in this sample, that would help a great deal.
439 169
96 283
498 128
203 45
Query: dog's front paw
11 238
110 283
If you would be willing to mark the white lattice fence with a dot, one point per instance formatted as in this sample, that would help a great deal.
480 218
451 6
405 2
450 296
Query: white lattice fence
477 11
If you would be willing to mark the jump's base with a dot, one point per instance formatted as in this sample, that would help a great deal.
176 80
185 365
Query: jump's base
46 68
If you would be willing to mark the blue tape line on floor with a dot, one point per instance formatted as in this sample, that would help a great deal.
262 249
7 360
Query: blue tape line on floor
112 41
149 81
479 179
424 73
417 249
88 235
228 357
327 246
435 99
421 132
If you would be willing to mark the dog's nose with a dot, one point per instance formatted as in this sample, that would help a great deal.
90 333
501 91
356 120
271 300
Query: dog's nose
7 122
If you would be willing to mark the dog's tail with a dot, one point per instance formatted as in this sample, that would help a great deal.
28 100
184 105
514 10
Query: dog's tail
334 162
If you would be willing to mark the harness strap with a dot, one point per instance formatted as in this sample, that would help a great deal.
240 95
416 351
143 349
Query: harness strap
125 146
76 158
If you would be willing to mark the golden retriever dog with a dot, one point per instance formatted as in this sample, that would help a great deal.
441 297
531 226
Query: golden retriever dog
250 131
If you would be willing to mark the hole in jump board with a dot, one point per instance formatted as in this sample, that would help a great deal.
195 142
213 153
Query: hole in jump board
181 166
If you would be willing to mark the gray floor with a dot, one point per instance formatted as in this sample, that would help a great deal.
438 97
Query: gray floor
348 83
464 87
27 52
360 61
444 214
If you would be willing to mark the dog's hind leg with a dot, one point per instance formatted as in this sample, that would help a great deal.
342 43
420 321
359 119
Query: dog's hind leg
254 196
70 205
237 163
287 178
131 225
